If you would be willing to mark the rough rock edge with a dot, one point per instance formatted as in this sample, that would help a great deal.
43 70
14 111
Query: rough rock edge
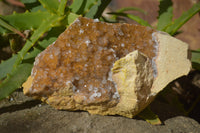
168 68
134 77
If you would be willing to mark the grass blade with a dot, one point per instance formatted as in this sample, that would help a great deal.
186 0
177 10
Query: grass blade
133 17
50 5
131 9
172 29
165 14
3 31
78 6
82 7
11 28
97 10
27 20
69 19
15 80
6 66
61 8
33 5
196 59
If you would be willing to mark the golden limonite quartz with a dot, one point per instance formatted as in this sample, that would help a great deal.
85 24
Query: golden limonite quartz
106 69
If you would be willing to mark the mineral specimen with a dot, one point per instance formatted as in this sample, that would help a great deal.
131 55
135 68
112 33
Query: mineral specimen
106 69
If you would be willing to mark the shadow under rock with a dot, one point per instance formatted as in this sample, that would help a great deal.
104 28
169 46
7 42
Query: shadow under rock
17 107
191 95
180 98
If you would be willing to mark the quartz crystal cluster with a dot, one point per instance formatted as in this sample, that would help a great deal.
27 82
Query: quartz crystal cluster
106 69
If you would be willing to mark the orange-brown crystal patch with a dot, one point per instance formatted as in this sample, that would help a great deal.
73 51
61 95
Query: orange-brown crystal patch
83 56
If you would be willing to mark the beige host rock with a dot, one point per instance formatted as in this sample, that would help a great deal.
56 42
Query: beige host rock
106 69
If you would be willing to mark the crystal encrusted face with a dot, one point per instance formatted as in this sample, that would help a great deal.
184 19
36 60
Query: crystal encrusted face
83 56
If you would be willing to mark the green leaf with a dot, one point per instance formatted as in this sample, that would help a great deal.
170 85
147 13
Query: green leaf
50 5
3 31
61 8
28 1
11 28
165 14
123 10
82 7
78 6
6 66
172 29
133 17
33 5
69 19
108 20
97 9
38 8
21 73
27 20
44 27
131 9
196 59
30 57
149 116
15 80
